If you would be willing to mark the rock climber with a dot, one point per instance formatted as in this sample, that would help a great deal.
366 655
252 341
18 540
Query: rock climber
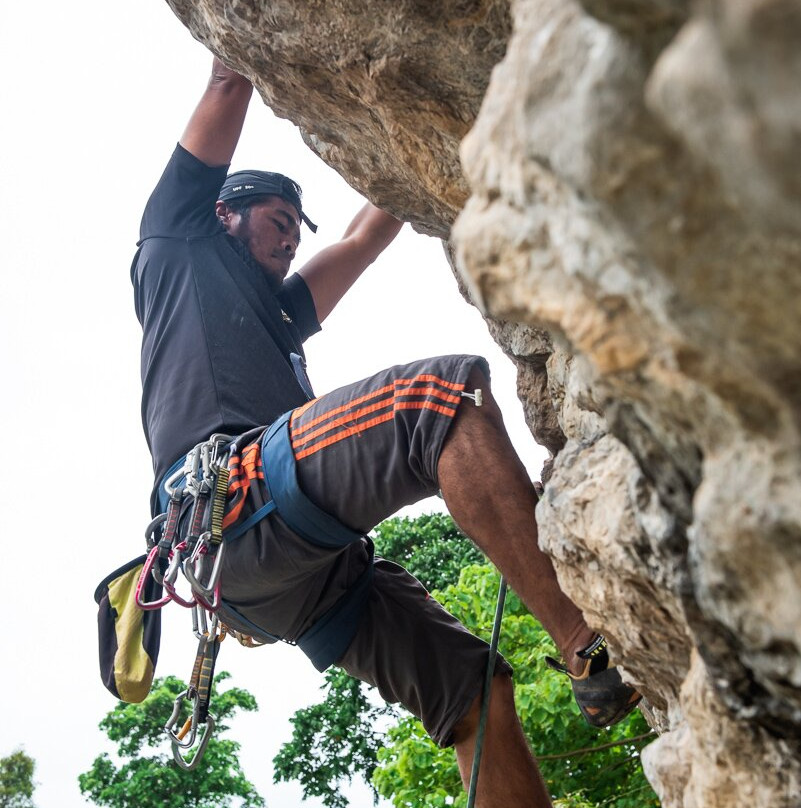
223 326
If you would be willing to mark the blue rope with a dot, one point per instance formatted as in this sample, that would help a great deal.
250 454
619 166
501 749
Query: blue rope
482 721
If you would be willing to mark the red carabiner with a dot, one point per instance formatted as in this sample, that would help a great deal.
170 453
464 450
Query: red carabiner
147 568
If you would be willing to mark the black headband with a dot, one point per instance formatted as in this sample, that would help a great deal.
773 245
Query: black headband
257 183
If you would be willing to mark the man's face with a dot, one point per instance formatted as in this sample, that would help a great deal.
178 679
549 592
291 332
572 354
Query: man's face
270 230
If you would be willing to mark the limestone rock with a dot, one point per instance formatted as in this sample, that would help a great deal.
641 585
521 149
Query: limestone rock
710 735
383 92
629 222
676 502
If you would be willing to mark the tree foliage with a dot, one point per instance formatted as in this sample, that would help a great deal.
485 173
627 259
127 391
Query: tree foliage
413 771
430 547
147 777
402 763
333 740
16 780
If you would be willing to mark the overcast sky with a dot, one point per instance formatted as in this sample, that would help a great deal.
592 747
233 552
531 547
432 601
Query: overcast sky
94 97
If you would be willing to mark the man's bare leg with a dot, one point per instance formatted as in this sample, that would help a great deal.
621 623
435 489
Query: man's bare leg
508 777
488 492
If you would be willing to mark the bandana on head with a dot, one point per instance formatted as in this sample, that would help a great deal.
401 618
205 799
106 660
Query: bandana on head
253 183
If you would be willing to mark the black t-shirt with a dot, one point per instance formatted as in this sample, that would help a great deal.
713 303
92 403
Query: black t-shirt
217 340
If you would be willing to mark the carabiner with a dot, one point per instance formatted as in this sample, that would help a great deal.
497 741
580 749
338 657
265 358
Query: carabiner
151 529
219 455
147 568
199 752
171 483
200 623
190 726
208 594
171 576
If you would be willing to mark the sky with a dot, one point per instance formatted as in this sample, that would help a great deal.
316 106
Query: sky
94 97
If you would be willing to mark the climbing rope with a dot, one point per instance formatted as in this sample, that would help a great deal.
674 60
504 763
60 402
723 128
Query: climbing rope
485 699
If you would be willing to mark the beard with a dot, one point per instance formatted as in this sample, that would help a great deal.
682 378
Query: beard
271 276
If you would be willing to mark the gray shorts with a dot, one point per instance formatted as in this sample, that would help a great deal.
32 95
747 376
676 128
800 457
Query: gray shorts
352 458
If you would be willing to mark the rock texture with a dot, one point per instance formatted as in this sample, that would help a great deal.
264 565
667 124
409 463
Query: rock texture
629 221
405 77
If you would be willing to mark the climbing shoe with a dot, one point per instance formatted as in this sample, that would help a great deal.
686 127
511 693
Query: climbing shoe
602 696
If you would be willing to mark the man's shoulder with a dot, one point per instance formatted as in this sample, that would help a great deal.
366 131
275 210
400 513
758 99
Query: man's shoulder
182 203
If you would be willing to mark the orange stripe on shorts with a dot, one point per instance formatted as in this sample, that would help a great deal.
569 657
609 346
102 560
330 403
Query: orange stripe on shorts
365 425
394 387
388 401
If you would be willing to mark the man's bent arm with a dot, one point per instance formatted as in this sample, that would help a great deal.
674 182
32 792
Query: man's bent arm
216 124
336 268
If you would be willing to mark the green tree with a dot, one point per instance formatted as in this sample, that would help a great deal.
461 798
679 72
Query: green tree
402 763
153 780
333 740
16 780
430 547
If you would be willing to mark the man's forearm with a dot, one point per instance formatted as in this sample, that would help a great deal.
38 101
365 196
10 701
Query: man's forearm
215 126
373 224
334 270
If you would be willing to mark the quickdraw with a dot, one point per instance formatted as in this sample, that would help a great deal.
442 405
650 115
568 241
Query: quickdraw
197 496
198 694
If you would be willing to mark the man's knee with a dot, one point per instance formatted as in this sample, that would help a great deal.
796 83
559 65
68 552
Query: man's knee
502 709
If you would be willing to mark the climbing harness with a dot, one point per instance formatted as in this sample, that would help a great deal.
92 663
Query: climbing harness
190 538
485 699
201 497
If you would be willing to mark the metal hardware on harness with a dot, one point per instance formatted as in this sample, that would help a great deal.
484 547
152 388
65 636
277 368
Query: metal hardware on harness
190 540
204 478
204 472
203 463
190 728
477 395
171 576
208 595
199 694
148 569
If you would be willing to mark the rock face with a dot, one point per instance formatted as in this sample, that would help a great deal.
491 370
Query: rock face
629 221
